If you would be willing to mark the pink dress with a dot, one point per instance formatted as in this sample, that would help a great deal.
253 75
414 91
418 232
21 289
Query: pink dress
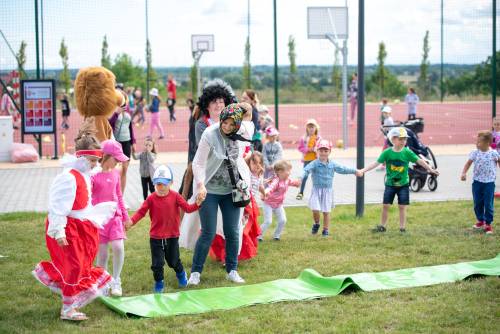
106 188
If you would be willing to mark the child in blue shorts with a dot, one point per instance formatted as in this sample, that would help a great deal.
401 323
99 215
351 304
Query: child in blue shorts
396 161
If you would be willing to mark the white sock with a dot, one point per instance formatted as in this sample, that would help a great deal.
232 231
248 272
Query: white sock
118 248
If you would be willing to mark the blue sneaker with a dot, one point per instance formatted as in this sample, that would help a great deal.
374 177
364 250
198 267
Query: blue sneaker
315 228
325 233
182 279
158 288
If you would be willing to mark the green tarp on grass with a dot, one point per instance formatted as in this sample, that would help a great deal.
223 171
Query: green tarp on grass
309 285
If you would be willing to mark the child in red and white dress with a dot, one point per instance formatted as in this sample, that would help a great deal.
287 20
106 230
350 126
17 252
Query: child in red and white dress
72 231
106 186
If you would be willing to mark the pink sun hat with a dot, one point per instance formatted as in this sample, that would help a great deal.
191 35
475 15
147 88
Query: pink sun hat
114 148
323 143
272 131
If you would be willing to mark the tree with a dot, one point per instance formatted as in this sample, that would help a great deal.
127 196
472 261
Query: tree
193 77
64 77
292 55
21 60
150 72
336 75
247 70
423 81
105 57
127 72
381 72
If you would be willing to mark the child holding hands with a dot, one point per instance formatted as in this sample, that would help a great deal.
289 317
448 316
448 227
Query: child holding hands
274 197
106 187
323 170
164 210
397 159
485 162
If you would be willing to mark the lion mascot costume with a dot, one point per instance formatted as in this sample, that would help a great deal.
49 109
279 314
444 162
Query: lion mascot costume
96 96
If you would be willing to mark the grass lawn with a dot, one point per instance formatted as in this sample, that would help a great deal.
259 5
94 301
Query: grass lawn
438 233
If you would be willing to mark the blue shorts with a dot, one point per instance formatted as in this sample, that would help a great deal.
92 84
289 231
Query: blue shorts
402 192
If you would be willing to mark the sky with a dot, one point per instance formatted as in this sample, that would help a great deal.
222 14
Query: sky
400 24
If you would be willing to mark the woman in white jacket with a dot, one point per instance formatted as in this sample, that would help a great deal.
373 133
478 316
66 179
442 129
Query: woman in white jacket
227 139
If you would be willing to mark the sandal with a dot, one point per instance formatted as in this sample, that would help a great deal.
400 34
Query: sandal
299 196
73 315
379 228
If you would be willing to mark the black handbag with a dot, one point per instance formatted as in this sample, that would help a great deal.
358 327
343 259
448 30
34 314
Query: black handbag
240 192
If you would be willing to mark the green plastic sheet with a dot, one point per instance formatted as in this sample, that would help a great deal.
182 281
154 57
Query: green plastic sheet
309 285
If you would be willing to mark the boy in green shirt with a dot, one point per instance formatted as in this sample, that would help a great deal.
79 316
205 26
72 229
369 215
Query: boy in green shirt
396 160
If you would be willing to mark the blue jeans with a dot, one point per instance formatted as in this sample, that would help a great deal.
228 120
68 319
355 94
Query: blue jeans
483 195
304 180
230 224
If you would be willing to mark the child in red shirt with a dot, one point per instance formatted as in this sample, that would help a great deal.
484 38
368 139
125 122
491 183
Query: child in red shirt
164 210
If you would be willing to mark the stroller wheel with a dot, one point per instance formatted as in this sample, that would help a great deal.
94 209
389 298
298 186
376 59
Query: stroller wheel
432 183
415 184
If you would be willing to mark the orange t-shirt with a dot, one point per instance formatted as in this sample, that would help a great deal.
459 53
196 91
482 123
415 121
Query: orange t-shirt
310 156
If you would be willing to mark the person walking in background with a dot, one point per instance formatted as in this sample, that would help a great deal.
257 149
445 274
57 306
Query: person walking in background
272 152
411 100
486 160
171 96
65 110
139 108
307 146
123 131
352 93
250 97
146 166
154 109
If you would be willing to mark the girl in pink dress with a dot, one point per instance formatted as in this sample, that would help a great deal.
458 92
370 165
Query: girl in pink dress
106 188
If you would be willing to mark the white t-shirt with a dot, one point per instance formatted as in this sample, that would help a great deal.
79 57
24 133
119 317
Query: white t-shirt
485 165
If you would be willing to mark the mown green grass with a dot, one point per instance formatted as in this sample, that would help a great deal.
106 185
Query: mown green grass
438 233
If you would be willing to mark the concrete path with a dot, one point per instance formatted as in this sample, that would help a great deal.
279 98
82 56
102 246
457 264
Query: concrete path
25 187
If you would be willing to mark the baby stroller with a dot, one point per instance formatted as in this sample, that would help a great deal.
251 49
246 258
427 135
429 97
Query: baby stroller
417 174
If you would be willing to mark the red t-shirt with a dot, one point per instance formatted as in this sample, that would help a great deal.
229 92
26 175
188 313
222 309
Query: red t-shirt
172 89
164 213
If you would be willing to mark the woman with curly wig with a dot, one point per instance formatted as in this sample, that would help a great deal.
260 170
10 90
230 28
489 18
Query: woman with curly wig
215 96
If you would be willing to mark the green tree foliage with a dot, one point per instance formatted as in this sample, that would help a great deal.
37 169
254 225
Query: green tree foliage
21 59
247 70
234 79
382 83
423 81
127 72
105 57
337 75
65 77
292 55
193 77
476 82
150 72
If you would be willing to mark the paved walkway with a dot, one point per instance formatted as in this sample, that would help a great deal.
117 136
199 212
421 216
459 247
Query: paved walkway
25 187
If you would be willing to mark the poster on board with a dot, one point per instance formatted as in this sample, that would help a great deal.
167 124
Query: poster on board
38 106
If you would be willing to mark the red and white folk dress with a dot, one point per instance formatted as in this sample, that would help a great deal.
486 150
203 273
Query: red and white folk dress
71 272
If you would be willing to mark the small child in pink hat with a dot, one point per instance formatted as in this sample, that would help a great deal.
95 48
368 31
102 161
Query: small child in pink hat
272 151
105 188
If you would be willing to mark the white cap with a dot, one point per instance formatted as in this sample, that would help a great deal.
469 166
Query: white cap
397 132
163 174
153 91
386 109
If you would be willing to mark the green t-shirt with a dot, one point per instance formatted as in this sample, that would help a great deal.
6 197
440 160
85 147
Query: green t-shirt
396 165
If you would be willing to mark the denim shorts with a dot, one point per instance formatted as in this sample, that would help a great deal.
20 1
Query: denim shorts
402 192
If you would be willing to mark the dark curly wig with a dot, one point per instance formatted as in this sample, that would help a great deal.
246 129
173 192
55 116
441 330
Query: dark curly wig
215 89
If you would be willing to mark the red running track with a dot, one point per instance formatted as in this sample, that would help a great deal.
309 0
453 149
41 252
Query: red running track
445 123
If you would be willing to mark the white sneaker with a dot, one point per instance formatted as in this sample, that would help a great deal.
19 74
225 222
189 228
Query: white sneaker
233 276
194 278
116 288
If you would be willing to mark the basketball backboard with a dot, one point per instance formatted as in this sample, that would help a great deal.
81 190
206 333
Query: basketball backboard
202 43
327 21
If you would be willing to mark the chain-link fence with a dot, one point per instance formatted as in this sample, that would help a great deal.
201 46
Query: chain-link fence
454 88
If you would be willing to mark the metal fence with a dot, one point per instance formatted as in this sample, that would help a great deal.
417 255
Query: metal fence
454 106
